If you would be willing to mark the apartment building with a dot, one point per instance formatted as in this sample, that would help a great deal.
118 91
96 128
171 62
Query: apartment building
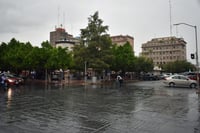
121 40
164 50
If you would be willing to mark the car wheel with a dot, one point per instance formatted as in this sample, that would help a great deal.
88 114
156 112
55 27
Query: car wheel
193 85
171 84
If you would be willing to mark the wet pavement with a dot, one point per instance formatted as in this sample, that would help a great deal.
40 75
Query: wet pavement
141 107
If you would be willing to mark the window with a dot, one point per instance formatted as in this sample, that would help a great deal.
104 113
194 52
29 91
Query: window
175 77
183 78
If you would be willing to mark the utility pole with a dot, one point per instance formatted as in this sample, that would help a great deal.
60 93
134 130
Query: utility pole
85 72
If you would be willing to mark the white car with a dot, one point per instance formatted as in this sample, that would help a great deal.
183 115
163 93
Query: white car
180 80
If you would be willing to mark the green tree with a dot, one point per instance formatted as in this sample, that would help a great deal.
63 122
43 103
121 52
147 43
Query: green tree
17 56
124 58
36 59
79 57
3 62
59 58
95 46
143 64
178 67
14 54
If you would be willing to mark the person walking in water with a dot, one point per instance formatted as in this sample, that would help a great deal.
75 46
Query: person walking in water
3 81
120 80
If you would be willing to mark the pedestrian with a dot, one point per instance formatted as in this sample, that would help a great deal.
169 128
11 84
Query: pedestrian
3 80
120 80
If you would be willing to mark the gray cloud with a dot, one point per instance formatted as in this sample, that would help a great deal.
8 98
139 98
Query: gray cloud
19 16
32 20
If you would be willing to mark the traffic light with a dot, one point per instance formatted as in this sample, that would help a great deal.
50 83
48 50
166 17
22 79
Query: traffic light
192 56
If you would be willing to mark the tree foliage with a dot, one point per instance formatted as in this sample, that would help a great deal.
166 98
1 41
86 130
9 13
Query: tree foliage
79 57
143 64
95 47
17 56
178 67
124 59
13 55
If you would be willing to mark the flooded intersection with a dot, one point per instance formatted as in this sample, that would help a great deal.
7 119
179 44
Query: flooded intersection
143 107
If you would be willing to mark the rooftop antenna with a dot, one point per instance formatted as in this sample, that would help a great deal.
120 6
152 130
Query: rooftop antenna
58 15
170 17
64 20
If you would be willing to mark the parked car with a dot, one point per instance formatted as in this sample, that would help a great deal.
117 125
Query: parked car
180 80
149 76
192 75
165 75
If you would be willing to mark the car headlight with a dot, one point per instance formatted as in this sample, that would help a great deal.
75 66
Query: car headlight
10 80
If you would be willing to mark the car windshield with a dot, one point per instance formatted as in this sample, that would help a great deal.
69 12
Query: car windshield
10 76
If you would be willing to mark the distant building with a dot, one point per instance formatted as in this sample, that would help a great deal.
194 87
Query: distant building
164 50
61 38
121 40
67 43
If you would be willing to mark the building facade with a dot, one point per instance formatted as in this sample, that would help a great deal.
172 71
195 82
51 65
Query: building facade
121 40
164 50
67 43
60 38
59 35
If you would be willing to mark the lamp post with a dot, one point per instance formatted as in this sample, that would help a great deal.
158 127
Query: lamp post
197 63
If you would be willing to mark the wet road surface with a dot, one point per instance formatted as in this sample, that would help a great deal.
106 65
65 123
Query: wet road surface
142 107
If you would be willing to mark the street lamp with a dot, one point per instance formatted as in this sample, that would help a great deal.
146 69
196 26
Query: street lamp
197 63
85 72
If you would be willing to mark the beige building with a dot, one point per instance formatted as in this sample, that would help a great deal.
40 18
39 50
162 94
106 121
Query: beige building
60 38
164 50
121 40
67 43
59 35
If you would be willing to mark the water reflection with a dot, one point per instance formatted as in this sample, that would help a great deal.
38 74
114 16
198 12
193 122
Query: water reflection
9 97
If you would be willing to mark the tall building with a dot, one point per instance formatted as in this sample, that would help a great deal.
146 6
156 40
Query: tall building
121 40
59 35
164 50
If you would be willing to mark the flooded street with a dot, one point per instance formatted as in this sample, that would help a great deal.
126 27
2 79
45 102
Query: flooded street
142 107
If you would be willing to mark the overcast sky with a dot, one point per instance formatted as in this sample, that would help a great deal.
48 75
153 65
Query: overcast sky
32 20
